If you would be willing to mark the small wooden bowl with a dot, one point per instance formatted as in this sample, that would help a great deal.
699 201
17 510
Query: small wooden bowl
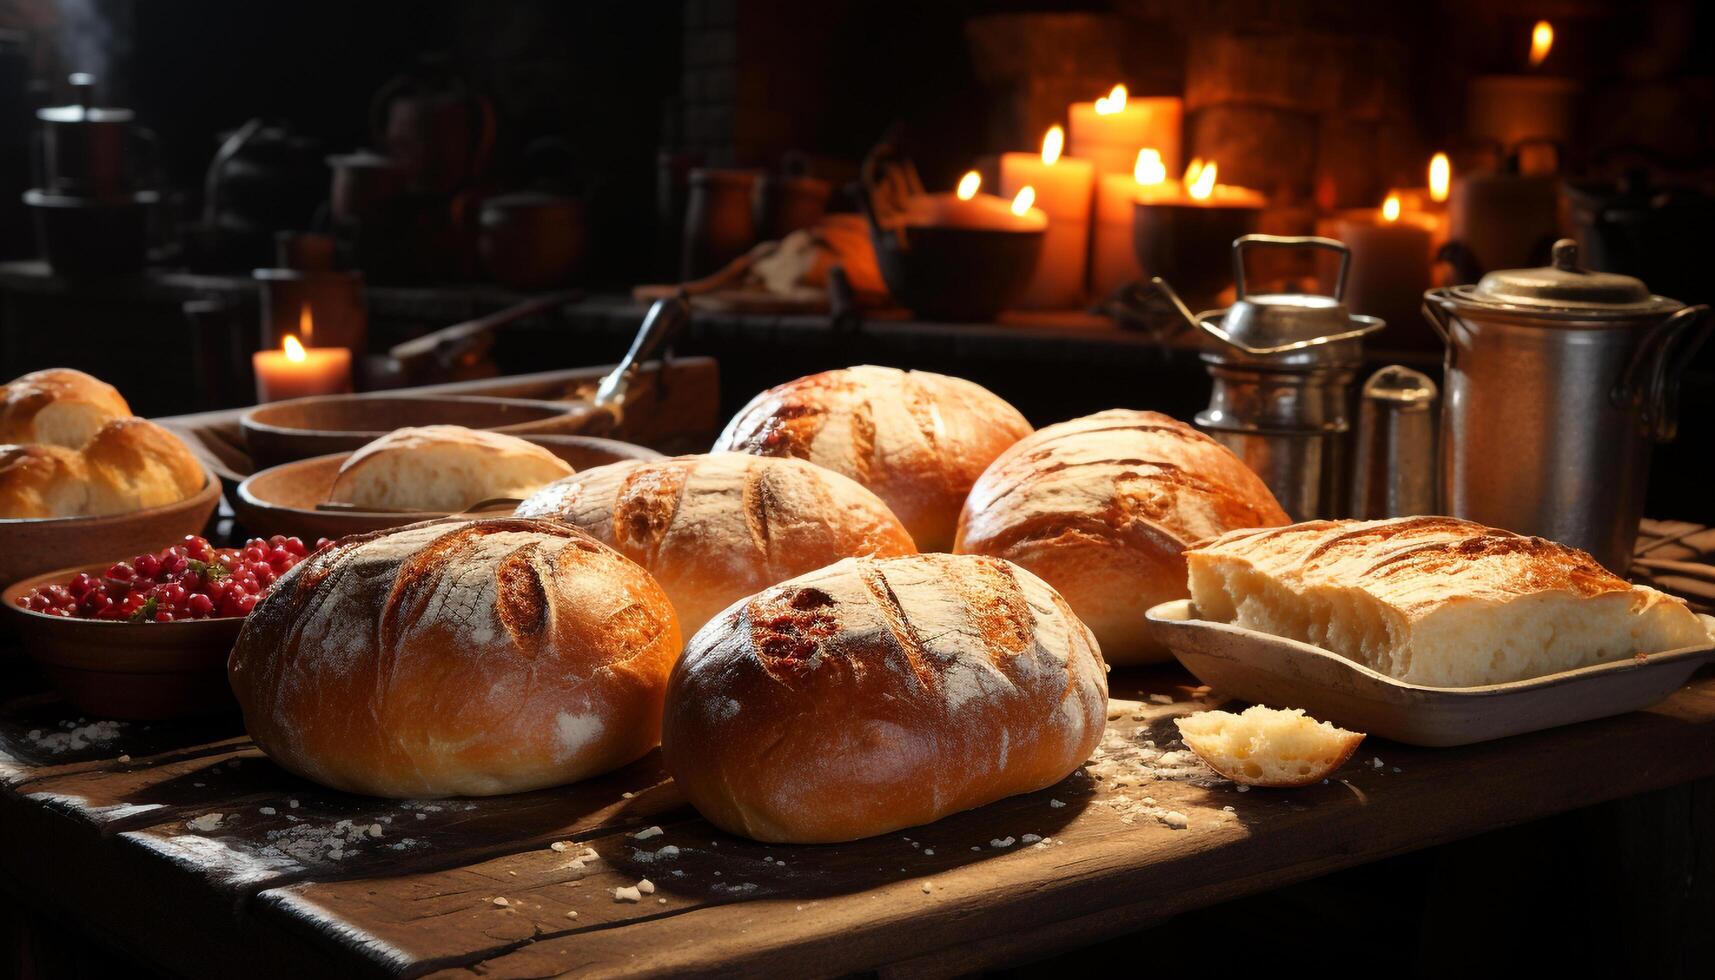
956 274
281 432
282 499
131 671
32 545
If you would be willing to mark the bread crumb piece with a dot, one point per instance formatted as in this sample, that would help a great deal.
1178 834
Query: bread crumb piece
571 913
1030 838
646 886
1056 804
1161 698
267 811
929 850
1003 842
560 845
662 901
928 887
1176 820
1229 809
627 894
292 803
206 822
1243 788
501 902
375 830
1376 762
125 758
628 796
647 833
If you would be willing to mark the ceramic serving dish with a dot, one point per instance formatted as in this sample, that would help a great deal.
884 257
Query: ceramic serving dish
282 499
130 671
281 432
1272 670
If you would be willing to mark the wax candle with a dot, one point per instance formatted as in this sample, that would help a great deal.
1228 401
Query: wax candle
1109 131
1512 109
1392 255
967 207
1504 221
1113 260
1062 192
296 371
1184 231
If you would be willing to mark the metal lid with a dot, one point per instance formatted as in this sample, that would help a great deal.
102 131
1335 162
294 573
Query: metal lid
83 110
1563 286
1401 388
1276 322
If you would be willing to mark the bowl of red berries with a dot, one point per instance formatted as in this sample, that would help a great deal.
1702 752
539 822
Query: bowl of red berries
147 638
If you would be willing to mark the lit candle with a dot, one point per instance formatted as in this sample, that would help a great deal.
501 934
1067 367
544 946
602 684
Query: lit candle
295 371
1183 231
1511 109
1061 187
1113 259
968 208
1392 256
1109 131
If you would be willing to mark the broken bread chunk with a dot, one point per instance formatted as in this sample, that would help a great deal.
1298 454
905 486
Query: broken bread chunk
1276 747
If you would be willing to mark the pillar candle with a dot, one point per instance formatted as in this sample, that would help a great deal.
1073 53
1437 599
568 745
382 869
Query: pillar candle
1063 193
1392 260
1113 259
1109 131
297 371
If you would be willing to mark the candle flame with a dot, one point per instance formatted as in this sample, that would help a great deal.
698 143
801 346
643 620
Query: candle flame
1149 169
1200 179
1541 40
1026 197
306 324
968 185
294 350
1440 177
1053 142
1390 208
1112 103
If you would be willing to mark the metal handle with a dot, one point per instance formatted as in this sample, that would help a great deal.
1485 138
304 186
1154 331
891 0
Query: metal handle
1651 380
663 320
1437 316
1288 241
1205 322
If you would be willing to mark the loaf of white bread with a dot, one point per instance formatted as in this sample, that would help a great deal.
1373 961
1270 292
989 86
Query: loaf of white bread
715 528
876 694
443 469
1434 601
457 658
57 407
917 439
1103 507
129 464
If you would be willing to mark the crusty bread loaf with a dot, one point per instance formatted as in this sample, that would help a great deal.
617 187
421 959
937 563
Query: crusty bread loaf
1268 746
713 529
1434 600
444 469
918 440
57 407
129 464
1103 507
876 694
457 658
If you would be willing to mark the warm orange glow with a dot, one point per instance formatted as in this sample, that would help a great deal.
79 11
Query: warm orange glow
1390 208
1440 178
306 324
1541 40
294 350
1112 103
1193 170
1203 184
1053 142
1026 197
1149 169
968 185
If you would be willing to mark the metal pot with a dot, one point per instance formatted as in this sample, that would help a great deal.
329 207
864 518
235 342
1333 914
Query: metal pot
1557 381
533 239
88 150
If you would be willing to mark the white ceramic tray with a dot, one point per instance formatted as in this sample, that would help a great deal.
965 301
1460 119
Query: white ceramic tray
1265 669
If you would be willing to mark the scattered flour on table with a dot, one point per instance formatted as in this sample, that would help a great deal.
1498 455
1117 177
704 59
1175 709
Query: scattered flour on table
74 736
1126 764
310 843
206 822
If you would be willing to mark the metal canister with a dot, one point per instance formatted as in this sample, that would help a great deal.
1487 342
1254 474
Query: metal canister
1558 380
1283 366
1393 460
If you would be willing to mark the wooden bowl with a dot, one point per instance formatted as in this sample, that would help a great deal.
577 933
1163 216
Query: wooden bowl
32 545
281 432
131 671
956 274
282 499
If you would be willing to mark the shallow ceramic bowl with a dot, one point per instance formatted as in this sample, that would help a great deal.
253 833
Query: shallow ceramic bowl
281 432
283 499
1272 670
131 671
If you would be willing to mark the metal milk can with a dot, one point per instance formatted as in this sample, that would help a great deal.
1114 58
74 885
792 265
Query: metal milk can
1283 366
1558 379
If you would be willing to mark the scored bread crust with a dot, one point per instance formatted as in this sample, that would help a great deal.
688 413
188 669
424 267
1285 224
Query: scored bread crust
1435 601
917 439
57 407
128 465
1103 507
1269 747
715 528
457 658
443 468
877 694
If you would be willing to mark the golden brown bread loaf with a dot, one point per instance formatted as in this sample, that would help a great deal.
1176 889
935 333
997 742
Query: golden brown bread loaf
457 658
443 468
876 694
1434 600
1103 507
715 528
918 440
128 465
57 407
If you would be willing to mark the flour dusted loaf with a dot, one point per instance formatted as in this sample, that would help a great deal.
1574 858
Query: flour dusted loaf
457 658
918 440
715 528
876 694
57 407
129 464
1434 600
1262 746
1103 508
443 468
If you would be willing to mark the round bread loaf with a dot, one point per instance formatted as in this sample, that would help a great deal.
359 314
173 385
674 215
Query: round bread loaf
876 694
457 658
918 440
713 529
443 468
57 407
1103 508
129 464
